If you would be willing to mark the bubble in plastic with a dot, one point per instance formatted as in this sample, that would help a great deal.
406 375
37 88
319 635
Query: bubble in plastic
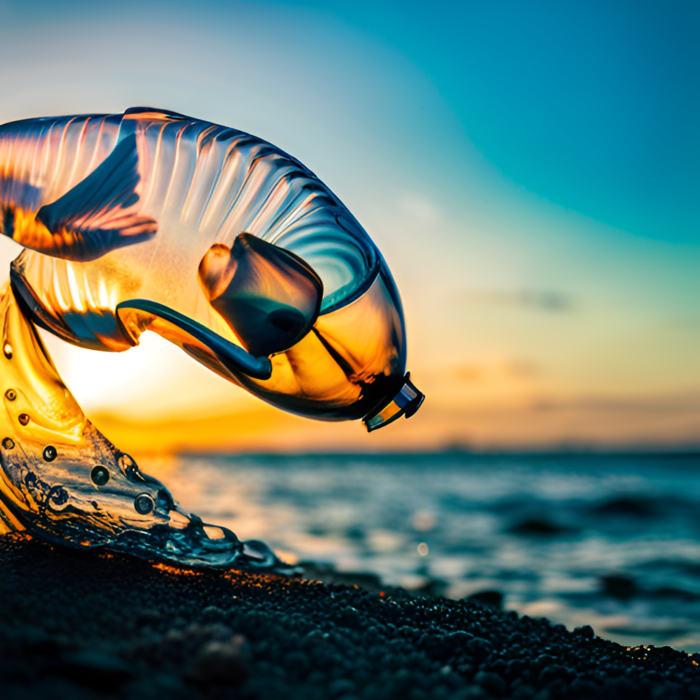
221 243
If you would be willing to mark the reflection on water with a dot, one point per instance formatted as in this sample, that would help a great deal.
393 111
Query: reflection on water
609 541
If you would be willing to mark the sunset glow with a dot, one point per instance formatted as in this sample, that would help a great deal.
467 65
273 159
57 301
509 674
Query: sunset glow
546 251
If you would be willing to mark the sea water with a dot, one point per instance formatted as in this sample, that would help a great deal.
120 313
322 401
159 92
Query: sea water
607 540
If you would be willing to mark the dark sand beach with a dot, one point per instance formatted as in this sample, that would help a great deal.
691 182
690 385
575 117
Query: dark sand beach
90 625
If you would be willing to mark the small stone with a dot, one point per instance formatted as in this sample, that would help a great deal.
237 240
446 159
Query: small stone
212 614
479 647
524 692
473 692
221 663
555 672
342 686
491 682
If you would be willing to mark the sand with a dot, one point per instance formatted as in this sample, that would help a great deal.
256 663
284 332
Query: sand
79 624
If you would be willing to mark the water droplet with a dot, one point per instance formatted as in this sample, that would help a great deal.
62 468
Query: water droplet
24 418
144 504
10 394
8 443
50 453
99 475
58 496
7 349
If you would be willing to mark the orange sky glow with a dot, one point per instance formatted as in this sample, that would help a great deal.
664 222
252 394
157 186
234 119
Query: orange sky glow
530 324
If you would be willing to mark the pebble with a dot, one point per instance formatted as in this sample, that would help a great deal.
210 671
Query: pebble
77 625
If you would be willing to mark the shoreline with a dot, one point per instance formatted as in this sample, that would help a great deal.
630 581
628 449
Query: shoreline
84 624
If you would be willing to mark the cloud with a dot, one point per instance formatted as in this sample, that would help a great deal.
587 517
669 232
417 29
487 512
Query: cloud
685 402
420 210
481 371
547 300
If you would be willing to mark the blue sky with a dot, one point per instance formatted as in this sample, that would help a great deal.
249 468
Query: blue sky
592 105
531 171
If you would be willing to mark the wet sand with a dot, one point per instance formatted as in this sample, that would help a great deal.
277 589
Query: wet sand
84 625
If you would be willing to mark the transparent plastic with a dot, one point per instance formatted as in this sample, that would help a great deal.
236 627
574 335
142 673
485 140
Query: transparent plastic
152 206
61 479
221 243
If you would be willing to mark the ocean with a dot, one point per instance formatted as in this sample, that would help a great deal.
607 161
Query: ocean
611 541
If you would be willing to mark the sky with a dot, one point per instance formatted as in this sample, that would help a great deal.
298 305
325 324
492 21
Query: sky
530 171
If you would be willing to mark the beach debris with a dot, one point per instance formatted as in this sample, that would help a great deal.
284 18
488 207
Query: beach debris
216 240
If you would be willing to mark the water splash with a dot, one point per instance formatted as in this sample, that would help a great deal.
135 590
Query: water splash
61 479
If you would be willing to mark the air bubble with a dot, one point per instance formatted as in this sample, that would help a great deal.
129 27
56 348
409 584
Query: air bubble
50 453
10 394
7 349
8 443
99 475
144 504
24 418
58 496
